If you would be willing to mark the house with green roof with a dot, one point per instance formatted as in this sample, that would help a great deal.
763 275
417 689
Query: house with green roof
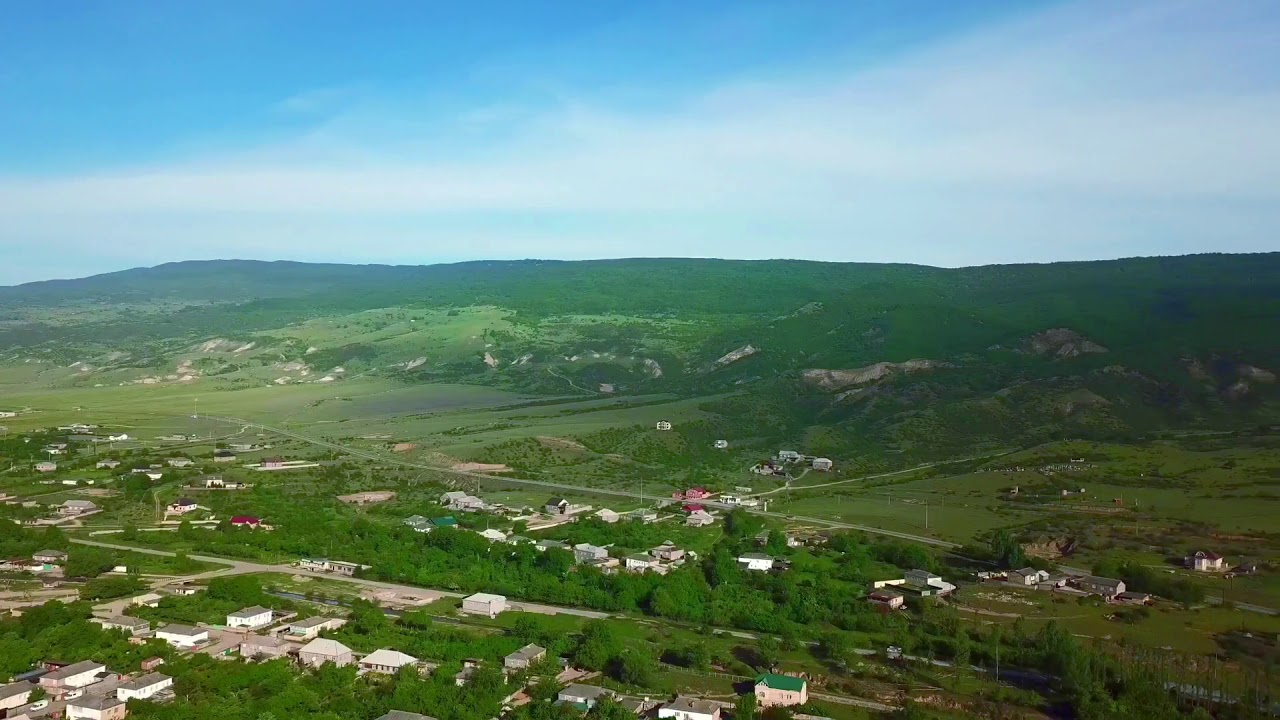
780 690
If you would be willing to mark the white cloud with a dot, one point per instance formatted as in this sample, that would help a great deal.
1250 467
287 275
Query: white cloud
1093 130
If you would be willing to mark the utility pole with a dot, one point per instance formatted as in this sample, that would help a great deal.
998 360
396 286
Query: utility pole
926 513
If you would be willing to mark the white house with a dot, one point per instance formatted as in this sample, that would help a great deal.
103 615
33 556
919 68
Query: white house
926 584
15 694
663 425
1206 562
182 636
822 464
313 626
96 707
1025 576
131 625
457 500
492 535
76 507
584 697
789 456
386 662
71 677
179 462
687 708
322 650
46 466
722 444
586 552
525 657
182 506
639 563
484 604
107 464
699 518
756 561
250 617
144 687
607 516
557 506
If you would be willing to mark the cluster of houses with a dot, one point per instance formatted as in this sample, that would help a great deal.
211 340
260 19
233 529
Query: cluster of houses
770 690
785 460
1109 589
892 594
82 691
44 561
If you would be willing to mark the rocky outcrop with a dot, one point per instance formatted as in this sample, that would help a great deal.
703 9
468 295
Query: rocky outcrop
1257 374
1062 343
742 352
837 379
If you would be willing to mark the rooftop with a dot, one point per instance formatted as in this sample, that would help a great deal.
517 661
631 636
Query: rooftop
17 688
183 630
585 691
388 658
402 715
95 702
781 682
528 652
322 646
693 705
487 597
145 681
249 612
311 622
76 669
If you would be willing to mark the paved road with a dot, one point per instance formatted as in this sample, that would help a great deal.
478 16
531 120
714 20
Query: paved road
356 452
239 567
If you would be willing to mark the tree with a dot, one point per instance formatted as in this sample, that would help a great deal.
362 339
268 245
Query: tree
768 650
745 707
1007 550
635 667
599 645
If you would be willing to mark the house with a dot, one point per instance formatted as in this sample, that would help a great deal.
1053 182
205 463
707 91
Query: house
50 557
96 707
524 657
15 695
341 567
1106 587
697 493
250 617
721 444
1024 576
663 425
70 677
131 625
1206 562
154 474
418 523
107 464
179 462
246 521
182 636
271 463
699 518
321 651
519 540
780 690
926 584
545 545
258 647
182 506
55 450
46 466
403 715
606 515
185 590
484 604
151 663
444 522
313 626
687 708
386 662
72 508
557 506
586 552
584 697
667 552
1134 598
756 561
887 599
146 600
493 535
144 688
639 563
643 516
314 564
788 456
214 481
224 456
822 464
457 500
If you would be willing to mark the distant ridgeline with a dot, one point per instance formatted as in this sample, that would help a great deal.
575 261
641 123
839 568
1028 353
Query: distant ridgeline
848 353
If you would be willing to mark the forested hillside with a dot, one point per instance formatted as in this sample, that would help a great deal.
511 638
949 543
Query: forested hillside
838 354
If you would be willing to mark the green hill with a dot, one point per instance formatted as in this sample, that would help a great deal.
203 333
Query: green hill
838 356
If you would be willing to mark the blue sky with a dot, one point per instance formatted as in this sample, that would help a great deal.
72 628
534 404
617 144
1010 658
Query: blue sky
134 133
